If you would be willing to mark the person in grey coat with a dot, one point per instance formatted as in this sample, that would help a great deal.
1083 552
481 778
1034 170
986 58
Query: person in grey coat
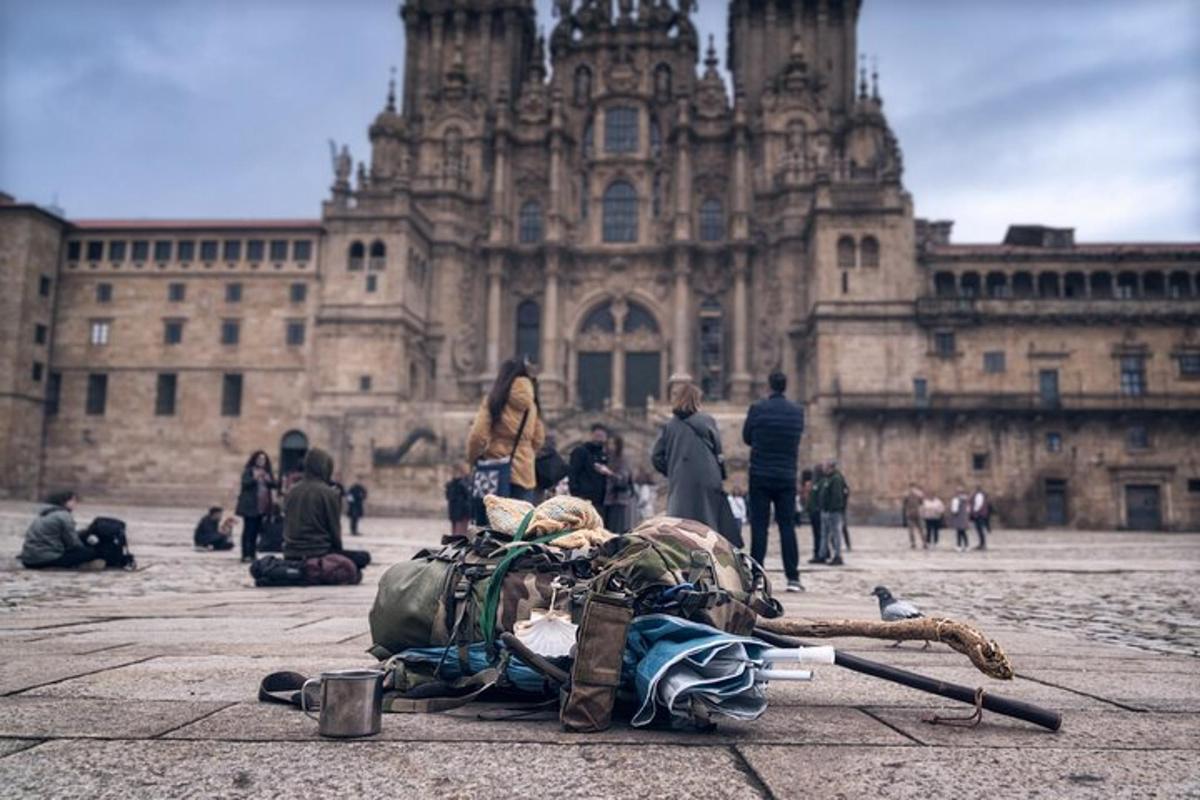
51 540
688 452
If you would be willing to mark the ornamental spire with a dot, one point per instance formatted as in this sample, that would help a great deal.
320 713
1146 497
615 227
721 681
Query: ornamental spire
391 95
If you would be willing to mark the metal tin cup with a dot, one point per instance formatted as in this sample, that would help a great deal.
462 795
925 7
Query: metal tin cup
351 702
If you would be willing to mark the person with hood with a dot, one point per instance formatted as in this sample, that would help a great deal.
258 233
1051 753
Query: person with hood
254 500
508 426
51 540
588 471
688 452
313 514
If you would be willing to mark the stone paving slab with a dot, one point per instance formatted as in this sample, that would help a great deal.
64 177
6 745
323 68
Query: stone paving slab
1150 691
814 725
174 769
10 746
216 678
1116 730
52 717
928 772
19 673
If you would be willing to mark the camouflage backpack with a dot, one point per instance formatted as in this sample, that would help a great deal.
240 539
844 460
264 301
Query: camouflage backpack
682 567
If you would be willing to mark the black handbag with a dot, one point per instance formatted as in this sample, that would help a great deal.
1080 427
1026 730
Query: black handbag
550 468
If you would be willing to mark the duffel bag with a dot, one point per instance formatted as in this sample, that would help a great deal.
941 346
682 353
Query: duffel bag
275 571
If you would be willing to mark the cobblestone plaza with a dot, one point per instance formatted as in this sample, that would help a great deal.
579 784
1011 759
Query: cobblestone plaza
143 684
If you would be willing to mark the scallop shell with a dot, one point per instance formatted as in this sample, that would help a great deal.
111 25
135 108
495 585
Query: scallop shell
550 634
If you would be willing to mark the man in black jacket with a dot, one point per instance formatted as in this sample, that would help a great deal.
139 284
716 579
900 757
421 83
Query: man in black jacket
588 474
772 429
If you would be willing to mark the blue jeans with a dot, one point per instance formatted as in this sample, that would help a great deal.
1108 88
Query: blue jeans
831 534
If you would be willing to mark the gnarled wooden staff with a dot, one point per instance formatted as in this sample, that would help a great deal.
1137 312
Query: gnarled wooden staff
985 654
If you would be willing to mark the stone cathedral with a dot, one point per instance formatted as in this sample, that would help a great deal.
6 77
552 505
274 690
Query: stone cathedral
604 203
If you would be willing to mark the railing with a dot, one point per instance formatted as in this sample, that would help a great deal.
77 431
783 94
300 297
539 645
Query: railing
1013 402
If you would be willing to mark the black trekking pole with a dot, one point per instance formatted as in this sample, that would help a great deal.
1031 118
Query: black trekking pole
1018 709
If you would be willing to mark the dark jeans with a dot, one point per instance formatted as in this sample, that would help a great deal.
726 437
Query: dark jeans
72 558
224 543
960 538
814 518
783 497
983 527
354 518
251 527
932 526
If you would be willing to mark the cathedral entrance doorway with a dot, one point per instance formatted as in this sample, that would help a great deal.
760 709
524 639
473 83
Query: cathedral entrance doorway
619 357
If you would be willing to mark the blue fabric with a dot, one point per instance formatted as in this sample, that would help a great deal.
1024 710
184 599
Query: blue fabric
772 429
671 661
519 674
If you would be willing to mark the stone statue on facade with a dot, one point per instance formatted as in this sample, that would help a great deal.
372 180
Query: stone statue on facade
342 163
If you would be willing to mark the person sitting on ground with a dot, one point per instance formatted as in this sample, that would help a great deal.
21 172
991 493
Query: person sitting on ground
51 540
209 534
313 515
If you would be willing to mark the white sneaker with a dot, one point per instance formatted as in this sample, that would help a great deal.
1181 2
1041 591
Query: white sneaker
794 586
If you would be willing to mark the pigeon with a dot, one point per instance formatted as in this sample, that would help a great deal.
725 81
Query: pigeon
894 610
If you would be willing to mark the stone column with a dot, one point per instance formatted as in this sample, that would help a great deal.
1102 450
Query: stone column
740 381
617 401
551 380
682 335
494 271
436 35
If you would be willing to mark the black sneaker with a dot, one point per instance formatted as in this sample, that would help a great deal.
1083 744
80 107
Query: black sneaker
836 562
816 561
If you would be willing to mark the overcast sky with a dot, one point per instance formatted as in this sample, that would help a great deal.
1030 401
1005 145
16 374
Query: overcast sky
1067 112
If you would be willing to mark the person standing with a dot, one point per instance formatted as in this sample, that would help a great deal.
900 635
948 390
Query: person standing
587 480
458 500
688 453
833 512
619 496
911 512
254 500
508 428
812 502
981 515
959 518
932 510
737 504
52 541
356 501
773 428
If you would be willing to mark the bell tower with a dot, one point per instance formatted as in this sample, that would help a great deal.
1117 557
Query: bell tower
483 47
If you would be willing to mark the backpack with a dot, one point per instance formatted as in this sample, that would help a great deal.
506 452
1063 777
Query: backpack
274 571
106 535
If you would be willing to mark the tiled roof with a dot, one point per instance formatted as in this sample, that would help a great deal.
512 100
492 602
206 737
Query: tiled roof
194 224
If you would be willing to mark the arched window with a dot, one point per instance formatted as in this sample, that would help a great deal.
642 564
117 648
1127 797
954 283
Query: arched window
662 83
869 254
943 284
969 284
712 346
1179 285
1102 286
378 255
529 329
1127 286
620 129
1048 284
712 220
1154 285
997 285
292 448
1022 285
587 142
585 195
638 318
357 252
600 320
1075 285
529 223
846 255
583 86
620 213
655 138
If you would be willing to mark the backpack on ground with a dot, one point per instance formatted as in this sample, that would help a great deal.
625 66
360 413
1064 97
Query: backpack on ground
275 571
106 535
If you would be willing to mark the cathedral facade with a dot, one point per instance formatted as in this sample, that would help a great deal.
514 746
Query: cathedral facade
601 203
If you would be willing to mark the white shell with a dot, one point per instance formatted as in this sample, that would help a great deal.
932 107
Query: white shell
550 634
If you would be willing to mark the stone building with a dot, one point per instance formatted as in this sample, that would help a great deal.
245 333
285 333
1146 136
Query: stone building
600 203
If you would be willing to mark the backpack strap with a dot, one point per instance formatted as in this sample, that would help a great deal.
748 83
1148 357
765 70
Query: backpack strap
491 602
442 695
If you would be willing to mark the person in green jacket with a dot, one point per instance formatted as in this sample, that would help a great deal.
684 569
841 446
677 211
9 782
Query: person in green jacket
51 540
833 496
313 514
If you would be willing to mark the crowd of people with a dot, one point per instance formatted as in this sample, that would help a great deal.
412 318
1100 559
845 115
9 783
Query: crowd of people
510 453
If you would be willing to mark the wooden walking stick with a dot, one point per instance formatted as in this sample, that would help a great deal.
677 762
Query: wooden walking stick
1018 709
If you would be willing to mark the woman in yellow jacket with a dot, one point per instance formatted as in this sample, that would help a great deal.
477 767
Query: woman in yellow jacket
494 432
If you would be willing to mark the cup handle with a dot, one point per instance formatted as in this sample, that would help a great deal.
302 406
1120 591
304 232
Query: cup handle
304 697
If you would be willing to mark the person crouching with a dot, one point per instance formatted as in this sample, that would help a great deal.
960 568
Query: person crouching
210 533
313 524
51 539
